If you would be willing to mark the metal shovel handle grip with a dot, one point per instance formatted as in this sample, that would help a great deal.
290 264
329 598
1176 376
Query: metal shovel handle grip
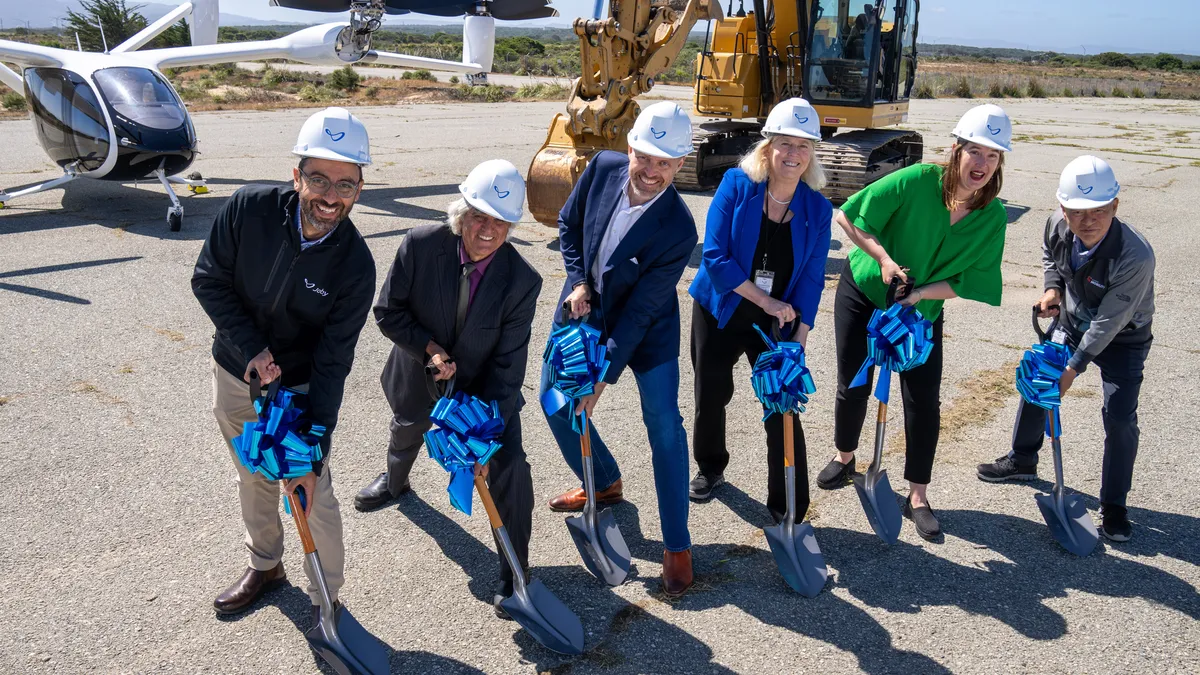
256 387
895 287
566 312
1043 335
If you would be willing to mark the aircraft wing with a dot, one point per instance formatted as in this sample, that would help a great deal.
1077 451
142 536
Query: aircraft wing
24 56
503 10
406 61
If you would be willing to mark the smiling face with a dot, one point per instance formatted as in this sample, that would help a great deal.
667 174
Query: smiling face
789 158
482 234
649 175
320 183
1090 225
976 166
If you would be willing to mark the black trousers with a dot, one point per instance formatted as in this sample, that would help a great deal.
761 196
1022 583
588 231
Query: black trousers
1121 367
920 387
714 354
509 480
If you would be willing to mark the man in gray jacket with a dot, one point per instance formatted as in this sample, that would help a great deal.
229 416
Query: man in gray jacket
1105 268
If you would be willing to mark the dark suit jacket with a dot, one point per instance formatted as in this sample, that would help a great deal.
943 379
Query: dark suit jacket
640 306
417 303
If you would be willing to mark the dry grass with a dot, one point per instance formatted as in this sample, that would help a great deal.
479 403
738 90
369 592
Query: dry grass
172 335
958 79
980 397
4 400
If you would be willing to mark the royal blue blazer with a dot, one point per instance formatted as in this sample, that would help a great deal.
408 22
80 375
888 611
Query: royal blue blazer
731 235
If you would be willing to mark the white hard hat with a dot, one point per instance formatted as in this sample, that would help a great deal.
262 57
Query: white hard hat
662 130
334 134
496 188
1087 183
986 125
793 117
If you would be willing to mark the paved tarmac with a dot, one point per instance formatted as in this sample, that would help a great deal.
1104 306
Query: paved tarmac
120 521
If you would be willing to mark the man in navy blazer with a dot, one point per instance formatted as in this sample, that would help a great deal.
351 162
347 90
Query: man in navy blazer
626 237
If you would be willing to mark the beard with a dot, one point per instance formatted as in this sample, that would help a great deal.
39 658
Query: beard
318 220
644 193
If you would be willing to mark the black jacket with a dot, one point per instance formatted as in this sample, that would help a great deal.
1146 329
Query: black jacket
417 303
261 290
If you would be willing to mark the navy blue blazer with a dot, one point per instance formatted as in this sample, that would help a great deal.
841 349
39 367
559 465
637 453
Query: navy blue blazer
731 237
639 306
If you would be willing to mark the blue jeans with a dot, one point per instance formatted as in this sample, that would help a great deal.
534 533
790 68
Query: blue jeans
659 389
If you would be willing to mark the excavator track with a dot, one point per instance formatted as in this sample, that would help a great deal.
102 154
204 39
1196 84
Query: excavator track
717 146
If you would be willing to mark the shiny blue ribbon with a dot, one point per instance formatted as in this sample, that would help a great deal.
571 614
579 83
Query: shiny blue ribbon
281 444
466 435
781 380
898 339
1038 375
576 361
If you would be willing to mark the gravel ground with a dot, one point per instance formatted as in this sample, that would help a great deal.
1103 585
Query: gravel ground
122 524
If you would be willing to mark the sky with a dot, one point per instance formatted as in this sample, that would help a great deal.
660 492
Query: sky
1070 26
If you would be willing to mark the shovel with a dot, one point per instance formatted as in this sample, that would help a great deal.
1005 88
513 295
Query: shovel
874 490
1069 522
795 546
532 605
597 535
344 644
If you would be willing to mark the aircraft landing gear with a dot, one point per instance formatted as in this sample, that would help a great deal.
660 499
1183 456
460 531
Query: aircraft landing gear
175 211
41 187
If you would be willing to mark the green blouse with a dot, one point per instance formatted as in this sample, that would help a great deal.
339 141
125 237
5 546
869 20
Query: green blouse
904 210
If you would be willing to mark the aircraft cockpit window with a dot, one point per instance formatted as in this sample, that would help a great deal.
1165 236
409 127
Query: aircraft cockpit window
67 116
141 96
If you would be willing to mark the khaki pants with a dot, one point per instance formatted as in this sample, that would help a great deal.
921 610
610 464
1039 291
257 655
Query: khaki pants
260 498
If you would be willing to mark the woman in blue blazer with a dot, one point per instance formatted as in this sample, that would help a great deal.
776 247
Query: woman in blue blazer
765 245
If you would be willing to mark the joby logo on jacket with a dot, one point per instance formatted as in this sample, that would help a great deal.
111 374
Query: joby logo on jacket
313 287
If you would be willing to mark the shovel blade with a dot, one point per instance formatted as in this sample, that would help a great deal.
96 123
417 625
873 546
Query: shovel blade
347 647
879 503
1072 527
798 557
546 618
603 550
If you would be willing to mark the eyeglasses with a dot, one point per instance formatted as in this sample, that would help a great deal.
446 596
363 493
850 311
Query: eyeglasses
320 185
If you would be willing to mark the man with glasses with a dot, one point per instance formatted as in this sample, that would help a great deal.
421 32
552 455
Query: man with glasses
287 280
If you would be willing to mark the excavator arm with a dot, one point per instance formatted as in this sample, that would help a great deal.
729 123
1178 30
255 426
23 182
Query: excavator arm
620 57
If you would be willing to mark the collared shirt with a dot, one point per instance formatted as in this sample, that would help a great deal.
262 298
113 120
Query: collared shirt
304 243
480 267
623 219
1080 255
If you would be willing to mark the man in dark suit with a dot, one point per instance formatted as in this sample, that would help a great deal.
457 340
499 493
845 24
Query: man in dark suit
626 237
460 299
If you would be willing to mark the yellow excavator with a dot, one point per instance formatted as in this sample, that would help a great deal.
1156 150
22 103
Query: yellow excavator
855 61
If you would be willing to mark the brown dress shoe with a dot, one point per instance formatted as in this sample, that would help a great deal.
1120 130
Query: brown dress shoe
677 572
573 500
246 590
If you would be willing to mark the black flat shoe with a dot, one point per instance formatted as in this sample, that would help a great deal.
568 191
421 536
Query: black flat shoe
376 494
923 519
835 475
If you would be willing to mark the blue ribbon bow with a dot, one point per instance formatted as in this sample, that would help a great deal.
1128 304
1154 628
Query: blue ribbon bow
576 362
466 433
1038 375
781 380
898 339
281 444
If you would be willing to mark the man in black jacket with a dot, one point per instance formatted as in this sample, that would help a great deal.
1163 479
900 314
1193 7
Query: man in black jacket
287 280
1103 270
460 300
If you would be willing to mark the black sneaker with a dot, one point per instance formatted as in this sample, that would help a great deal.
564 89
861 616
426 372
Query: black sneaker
701 487
503 590
1115 522
923 519
835 475
1006 468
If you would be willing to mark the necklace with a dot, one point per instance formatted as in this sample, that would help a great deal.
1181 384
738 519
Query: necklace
778 201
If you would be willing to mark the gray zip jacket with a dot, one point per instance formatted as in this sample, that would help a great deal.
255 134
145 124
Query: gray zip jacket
1110 298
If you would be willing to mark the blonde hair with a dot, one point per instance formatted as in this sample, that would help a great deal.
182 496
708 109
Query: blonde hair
757 164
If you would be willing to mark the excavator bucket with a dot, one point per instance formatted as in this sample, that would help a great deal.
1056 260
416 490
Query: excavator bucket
556 167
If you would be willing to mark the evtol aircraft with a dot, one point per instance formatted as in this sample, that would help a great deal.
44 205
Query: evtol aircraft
115 116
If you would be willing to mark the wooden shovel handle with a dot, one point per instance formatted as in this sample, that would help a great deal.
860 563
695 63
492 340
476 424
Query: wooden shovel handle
306 539
485 496
789 448
585 439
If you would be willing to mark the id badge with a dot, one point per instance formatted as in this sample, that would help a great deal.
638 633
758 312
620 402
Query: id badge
764 280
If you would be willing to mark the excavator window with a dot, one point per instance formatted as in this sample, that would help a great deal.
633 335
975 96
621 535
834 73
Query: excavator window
842 45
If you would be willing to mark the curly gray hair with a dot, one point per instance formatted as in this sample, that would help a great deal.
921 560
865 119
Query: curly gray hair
458 211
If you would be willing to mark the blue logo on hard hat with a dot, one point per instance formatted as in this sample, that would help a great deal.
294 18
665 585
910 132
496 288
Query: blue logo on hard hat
798 118
1085 190
499 193
657 134
994 131
335 137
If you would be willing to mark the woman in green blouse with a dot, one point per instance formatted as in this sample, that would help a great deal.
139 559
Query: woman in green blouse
942 228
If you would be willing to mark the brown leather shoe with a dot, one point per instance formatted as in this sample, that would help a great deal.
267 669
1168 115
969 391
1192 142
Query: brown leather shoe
677 572
249 588
573 500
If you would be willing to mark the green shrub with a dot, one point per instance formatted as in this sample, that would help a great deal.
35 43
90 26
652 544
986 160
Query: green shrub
13 101
453 79
271 77
492 93
421 74
923 90
542 90
1118 92
1035 89
314 94
1137 93
371 92
345 79
1067 93
1011 91
995 91
962 89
